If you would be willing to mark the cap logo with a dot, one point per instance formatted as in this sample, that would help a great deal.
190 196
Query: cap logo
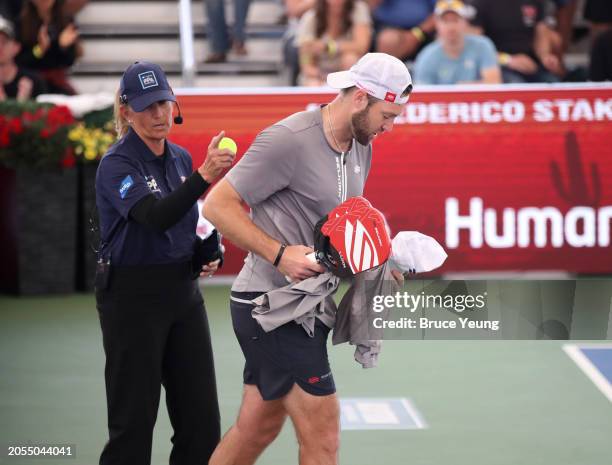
147 79
390 97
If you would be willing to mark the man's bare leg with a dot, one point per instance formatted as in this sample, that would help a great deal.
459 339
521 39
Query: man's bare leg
259 422
317 425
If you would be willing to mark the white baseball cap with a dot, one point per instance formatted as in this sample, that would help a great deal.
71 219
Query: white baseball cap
7 28
456 6
380 75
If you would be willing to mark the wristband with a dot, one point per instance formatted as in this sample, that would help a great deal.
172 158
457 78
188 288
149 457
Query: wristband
279 255
504 58
37 51
332 47
306 60
418 33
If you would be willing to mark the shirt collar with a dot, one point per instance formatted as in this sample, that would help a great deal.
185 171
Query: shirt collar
143 150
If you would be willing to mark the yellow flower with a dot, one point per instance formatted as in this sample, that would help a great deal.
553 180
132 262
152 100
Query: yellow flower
73 135
90 154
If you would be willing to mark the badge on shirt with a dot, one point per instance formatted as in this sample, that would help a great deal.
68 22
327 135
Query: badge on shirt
152 183
125 186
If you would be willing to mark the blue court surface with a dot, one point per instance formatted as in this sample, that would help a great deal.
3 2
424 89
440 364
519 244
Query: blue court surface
595 360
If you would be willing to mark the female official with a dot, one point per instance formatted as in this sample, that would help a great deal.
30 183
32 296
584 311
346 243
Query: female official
154 325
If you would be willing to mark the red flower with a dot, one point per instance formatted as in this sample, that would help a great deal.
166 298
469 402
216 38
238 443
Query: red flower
4 136
59 116
15 126
68 161
45 133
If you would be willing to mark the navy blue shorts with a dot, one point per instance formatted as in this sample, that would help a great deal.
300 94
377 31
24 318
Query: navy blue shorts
282 357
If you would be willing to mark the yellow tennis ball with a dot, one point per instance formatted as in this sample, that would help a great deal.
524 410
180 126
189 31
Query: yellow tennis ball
227 143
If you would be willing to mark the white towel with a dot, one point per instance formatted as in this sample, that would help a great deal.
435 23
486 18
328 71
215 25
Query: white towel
415 252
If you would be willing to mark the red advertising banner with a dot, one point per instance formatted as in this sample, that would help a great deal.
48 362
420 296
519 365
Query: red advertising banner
505 178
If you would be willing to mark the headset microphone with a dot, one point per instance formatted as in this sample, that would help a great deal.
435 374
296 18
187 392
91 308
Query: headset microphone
178 119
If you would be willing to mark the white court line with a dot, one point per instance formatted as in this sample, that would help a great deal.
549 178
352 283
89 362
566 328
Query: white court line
414 413
583 362
411 410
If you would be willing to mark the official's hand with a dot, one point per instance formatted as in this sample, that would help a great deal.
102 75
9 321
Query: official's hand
522 63
296 266
209 269
217 160
68 36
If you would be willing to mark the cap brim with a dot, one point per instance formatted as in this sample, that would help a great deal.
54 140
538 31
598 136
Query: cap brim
139 104
462 12
340 80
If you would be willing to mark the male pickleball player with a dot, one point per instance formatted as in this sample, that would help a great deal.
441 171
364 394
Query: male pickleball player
294 173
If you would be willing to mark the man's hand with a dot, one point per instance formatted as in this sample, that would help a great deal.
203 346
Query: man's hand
522 63
398 276
551 63
411 42
317 47
68 36
296 266
44 42
24 88
209 269
217 160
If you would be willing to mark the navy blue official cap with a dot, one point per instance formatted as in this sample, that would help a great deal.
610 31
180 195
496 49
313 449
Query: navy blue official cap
143 84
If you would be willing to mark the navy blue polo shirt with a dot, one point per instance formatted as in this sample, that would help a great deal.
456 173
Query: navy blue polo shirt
127 173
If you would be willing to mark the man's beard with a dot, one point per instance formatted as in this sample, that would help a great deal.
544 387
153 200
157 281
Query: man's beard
359 126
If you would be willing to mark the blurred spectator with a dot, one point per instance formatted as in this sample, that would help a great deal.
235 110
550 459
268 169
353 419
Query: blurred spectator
599 13
601 57
72 7
49 43
566 10
456 57
332 37
16 81
10 9
294 10
402 27
220 39
524 42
